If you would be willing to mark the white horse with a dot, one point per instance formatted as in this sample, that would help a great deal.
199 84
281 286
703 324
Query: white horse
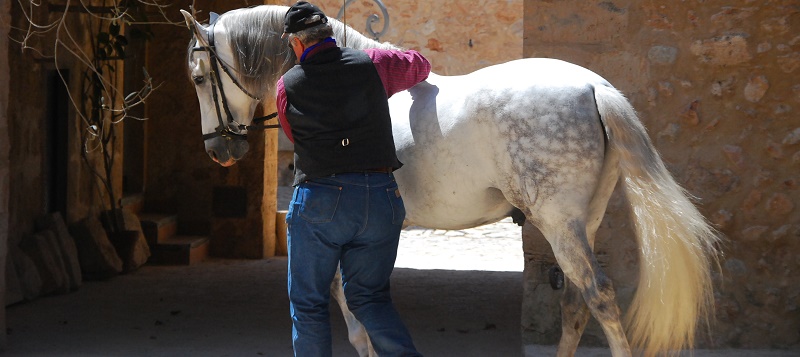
542 137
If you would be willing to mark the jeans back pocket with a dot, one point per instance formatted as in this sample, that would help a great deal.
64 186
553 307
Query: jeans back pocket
319 202
398 207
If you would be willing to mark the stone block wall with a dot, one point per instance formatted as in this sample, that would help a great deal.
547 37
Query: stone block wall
457 36
716 83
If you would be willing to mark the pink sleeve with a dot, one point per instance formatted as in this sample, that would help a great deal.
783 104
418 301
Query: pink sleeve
399 70
280 103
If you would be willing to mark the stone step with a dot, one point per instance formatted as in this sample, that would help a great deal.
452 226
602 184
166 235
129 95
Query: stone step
158 227
133 202
180 250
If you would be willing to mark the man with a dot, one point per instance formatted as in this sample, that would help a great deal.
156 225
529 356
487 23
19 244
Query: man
346 207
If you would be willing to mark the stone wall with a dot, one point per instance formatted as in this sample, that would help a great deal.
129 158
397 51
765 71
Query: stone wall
717 87
457 36
28 121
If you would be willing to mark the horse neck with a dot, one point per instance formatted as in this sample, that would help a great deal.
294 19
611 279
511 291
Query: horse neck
260 55
347 37
262 70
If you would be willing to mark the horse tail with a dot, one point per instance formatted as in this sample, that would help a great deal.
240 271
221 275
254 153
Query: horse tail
677 246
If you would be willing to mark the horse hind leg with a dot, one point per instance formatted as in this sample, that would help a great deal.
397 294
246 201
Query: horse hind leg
574 254
574 317
574 311
356 332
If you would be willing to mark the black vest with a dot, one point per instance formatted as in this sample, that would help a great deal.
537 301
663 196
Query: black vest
339 115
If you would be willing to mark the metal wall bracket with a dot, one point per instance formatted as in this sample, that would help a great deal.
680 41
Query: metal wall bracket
371 20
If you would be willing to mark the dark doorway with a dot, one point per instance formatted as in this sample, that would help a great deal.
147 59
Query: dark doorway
55 160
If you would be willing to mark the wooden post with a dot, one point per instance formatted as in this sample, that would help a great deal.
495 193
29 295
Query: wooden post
269 202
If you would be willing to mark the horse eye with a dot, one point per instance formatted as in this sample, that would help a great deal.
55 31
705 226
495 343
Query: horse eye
198 80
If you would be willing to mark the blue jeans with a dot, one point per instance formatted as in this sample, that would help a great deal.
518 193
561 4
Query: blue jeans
353 219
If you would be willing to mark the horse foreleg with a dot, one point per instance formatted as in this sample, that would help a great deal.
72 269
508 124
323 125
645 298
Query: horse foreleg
574 255
355 330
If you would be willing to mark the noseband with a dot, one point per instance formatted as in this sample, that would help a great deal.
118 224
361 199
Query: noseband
224 128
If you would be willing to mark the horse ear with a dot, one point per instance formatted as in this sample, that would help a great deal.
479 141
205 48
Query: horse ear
200 31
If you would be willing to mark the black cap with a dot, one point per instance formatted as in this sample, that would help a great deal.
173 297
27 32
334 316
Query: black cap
299 15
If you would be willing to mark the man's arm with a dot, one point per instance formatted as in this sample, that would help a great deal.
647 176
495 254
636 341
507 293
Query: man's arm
399 70
280 103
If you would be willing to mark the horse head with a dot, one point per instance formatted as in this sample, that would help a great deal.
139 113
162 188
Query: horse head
226 107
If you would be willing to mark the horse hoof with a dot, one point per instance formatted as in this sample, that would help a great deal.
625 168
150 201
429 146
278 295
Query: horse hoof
556 277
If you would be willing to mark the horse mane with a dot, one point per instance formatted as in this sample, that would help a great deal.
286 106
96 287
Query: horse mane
261 56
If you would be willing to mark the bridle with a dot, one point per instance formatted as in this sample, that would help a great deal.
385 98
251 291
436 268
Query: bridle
218 92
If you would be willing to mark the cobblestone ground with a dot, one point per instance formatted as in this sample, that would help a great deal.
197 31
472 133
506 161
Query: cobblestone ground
492 247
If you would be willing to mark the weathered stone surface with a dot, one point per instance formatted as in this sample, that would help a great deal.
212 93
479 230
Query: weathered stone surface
666 88
66 244
722 87
29 277
722 50
141 250
779 204
13 291
736 266
734 155
732 16
97 255
754 233
43 249
780 233
756 88
750 202
690 115
774 150
662 55
790 62
670 132
722 219
792 138
457 36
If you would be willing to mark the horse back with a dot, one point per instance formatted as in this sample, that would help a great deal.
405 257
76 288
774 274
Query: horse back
478 145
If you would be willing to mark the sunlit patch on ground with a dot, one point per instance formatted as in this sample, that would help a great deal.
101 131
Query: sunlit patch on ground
492 247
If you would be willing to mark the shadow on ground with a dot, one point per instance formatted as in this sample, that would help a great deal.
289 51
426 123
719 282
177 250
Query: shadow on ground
240 308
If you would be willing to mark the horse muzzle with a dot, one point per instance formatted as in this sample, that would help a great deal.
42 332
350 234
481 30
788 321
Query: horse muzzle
225 151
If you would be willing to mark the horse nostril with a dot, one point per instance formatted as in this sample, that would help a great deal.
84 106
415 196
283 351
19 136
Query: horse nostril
212 154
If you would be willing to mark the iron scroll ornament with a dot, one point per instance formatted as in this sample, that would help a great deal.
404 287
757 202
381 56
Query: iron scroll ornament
371 19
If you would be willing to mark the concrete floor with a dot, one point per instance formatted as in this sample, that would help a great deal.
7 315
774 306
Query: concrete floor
240 308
